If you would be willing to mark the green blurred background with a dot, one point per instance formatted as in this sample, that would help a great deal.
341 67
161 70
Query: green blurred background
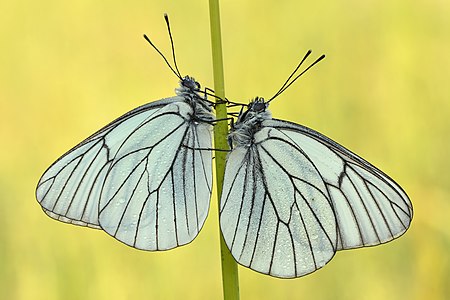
68 68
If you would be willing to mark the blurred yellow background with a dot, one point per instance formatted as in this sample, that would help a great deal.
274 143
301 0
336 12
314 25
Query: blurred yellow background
68 68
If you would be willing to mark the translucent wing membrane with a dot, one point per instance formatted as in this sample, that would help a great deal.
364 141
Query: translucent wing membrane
370 208
293 197
159 185
145 178
69 190
284 226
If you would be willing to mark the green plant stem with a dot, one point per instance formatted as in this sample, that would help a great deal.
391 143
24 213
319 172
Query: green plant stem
230 281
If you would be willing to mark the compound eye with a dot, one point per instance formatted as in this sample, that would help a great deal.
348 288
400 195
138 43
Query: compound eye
190 83
185 82
259 106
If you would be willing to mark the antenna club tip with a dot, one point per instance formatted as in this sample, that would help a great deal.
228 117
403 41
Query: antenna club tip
321 57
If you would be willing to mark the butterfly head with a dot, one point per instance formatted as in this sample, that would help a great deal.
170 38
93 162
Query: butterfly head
188 85
249 122
256 112
189 89
258 105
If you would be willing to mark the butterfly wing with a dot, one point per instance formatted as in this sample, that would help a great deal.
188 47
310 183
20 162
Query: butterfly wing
157 190
295 197
70 190
275 216
370 208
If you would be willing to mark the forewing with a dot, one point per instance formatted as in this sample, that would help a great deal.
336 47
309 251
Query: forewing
370 207
69 189
275 216
157 191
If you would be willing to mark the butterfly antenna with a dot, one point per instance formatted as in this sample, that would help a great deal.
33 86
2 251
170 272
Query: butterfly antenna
288 82
166 17
162 55
292 74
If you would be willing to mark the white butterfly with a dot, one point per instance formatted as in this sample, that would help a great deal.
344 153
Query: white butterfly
143 178
292 197
146 177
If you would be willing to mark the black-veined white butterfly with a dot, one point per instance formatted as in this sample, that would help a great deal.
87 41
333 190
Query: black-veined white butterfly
145 178
292 197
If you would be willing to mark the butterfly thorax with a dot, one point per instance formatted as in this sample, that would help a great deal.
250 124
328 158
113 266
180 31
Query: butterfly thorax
249 123
202 108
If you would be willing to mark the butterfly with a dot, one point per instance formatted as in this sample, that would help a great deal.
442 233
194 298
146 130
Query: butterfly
143 178
146 177
292 197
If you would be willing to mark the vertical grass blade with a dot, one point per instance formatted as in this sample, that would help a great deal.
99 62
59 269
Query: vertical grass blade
230 281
